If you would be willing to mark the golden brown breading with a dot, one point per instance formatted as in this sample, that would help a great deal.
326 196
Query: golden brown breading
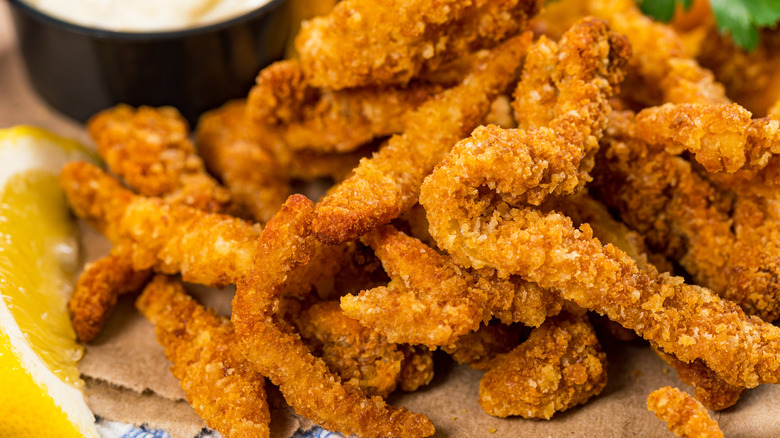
659 59
97 289
684 416
222 386
483 215
417 369
750 77
387 184
364 42
320 120
206 248
359 354
479 348
709 389
560 366
688 219
308 165
723 138
238 152
149 149
432 301
304 380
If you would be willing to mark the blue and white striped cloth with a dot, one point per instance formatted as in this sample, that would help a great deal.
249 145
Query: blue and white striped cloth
110 429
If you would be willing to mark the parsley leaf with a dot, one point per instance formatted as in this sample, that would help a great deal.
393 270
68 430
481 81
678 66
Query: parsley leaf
662 10
740 18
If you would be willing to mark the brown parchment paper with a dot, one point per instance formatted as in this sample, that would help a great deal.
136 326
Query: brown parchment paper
127 377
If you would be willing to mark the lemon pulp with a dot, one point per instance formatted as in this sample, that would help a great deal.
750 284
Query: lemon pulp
37 260
39 395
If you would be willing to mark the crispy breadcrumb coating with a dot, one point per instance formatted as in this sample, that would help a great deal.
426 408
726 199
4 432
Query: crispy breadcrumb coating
98 288
320 120
432 301
709 389
479 348
560 366
724 242
359 354
304 380
480 229
387 184
750 77
149 149
222 386
684 416
659 57
238 152
206 248
364 42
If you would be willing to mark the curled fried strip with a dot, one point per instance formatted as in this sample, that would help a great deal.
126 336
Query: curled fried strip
432 301
304 380
750 77
309 118
709 389
684 416
98 288
504 232
237 151
659 56
149 149
222 386
206 248
690 220
560 366
363 42
722 137
387 184
479 348
359 354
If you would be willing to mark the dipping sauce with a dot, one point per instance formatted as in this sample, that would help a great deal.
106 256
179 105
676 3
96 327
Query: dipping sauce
145 15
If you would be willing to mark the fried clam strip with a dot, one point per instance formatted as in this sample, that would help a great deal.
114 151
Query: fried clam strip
659 57
684 416
222 386
310 118
723 138
387 184
709 389
241 154
360 355
206 248
478 349
98 289
304 380
690 220
432 301
750 77
367 43
505 232
561 365
148 148
712 391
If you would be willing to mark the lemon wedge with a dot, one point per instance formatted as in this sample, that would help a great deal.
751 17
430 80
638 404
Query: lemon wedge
40 392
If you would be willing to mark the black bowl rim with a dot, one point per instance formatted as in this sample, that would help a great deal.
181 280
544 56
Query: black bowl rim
98 33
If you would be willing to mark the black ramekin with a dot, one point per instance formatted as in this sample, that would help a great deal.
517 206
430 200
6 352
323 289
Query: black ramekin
81 70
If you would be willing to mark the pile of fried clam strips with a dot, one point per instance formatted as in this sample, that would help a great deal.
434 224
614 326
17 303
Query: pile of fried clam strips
503 180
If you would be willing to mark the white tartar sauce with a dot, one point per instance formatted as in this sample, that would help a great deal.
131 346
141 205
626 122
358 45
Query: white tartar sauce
145 15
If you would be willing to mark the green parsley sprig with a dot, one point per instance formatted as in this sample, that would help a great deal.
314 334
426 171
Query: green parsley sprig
740 18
